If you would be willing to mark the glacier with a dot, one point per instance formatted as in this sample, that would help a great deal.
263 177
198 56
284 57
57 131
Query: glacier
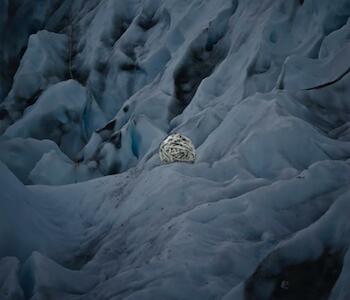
88 91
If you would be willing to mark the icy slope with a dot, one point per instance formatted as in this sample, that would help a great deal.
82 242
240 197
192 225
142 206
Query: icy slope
88 92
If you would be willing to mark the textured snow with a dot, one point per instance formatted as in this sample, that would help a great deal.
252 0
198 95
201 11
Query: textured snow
88 91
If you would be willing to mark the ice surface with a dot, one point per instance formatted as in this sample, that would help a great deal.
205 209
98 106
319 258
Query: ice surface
22 154
91 88
43 64
58 114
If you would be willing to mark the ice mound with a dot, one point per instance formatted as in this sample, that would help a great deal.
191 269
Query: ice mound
59 115
88 91
42 65
22 154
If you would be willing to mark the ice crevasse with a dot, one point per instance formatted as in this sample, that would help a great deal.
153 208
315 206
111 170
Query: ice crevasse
89 90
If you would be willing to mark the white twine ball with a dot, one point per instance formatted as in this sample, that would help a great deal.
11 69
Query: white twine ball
177 148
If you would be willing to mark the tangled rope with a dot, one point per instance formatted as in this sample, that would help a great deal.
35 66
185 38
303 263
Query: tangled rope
177 148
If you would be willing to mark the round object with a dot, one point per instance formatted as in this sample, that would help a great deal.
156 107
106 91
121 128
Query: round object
177 148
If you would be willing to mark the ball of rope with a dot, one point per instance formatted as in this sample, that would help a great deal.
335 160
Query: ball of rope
177 148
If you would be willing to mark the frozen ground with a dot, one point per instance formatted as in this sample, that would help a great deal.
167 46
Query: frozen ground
88 90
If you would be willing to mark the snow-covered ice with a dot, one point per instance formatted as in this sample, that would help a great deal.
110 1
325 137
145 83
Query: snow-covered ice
88 91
